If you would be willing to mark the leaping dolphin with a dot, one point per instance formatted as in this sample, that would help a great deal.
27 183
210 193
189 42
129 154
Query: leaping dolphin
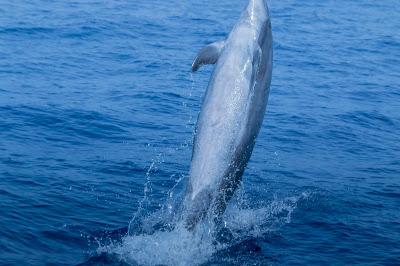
232 113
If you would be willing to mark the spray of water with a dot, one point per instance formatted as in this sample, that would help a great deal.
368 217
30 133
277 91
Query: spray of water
163 240
160 238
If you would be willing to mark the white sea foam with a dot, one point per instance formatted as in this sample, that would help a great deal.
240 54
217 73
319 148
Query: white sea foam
181 247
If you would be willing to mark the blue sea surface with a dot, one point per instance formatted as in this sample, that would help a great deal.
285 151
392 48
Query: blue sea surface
97 109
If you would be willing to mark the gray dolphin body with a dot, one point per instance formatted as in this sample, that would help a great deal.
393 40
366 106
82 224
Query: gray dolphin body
232 113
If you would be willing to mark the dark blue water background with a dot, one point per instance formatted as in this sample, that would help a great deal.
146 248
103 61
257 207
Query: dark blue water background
97 106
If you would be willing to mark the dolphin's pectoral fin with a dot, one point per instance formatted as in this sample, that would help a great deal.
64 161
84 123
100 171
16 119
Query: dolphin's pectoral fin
208 55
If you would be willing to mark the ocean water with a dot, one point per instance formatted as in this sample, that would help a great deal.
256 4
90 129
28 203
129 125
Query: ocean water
97 108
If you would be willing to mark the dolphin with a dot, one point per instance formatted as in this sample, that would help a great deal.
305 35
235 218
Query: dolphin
231 114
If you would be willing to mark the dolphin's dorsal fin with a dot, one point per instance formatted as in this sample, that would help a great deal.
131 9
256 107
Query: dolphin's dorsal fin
208 55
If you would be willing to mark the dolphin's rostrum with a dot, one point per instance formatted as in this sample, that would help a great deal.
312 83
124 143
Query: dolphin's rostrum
232 113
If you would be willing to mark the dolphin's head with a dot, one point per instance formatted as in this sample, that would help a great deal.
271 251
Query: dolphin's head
258 9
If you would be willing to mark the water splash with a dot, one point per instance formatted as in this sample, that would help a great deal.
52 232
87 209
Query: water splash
166 241
146 191
160 238
172 195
